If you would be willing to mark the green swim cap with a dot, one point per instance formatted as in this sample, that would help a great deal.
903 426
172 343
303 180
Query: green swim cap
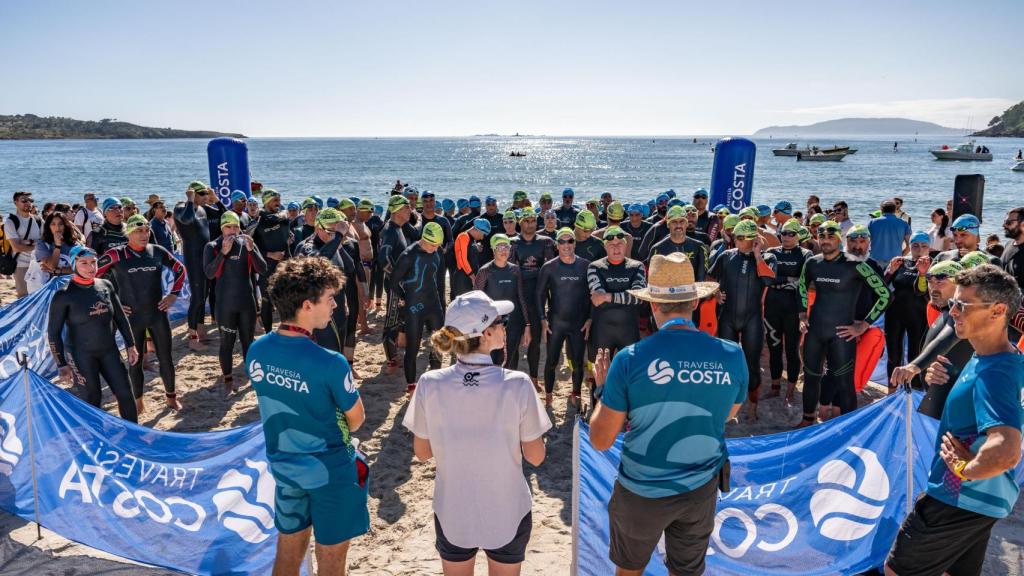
519 195
365 206
858 231
565 231
229 219
745 229
509 215
616 211
499 239
974 259
309 203
197 185
329 217
723 212
818 219
791 225
126 202
433 233
345 204
613 231
674 213
136 221
545 196
527 212
269 194
947 267
689 209
830 226
750 212
586 220
396 203
730 221
804 234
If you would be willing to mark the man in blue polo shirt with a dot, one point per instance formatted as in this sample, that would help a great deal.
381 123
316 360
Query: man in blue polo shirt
890 235
677 388
972 482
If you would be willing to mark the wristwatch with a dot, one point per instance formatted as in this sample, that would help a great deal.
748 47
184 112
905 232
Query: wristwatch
958 469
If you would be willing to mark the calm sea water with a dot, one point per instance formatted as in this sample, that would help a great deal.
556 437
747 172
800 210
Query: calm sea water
630 168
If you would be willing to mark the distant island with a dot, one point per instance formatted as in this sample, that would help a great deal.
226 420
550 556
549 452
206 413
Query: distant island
32 127
859 127
1009 123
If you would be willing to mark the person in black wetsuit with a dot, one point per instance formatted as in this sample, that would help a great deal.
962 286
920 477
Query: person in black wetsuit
271 235
90 309
831 330
111 233
231 260
637 227
413 284
190 220
782 310
566 213
907 318
588 247
502 280
550 228
743 273
392 244
614 312
966 238
138 267
468 256
692 230
675 225
530 251
375 224
430 214
465 221
563 298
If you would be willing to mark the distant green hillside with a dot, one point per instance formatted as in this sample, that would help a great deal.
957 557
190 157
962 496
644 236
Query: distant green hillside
1009 123
32 127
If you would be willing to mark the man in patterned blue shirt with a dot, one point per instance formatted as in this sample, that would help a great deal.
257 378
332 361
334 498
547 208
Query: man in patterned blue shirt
309 405
972 482
677 388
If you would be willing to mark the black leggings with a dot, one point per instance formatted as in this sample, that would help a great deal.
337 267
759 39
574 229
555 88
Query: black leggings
750 336
376 281
430 320
533 350
611 335
197 287
238 322
842 362
572 335
266 306
352 305
91 365
508 357
160 331
782 327
391 326
910 321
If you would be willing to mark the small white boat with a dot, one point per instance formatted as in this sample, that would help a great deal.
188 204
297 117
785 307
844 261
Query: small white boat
819 156
789 150
1019 166
966 151
835 149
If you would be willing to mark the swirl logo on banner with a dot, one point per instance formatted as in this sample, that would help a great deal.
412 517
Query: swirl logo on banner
849 508
11 448
239 509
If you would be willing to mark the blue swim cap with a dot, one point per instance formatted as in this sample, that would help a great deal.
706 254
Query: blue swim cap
474 201
785 206
109 203
319 202
355 199
378 209
80 251
968 222
676 202
764 210
447 204
719 208
490 200
635 209
293 205
920 236
662 198
568 192
237 195
700 193
670 193
427 194
482 225
332 202
647 209
462 203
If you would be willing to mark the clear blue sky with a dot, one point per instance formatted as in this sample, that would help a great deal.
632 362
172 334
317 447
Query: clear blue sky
545 67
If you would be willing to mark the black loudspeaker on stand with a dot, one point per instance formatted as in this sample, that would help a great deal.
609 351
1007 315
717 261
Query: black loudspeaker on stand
968 195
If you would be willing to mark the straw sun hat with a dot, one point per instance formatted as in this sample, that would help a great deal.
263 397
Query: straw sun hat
671 280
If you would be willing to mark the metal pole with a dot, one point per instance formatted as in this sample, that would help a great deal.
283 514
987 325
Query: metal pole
575 497
909 394
23 360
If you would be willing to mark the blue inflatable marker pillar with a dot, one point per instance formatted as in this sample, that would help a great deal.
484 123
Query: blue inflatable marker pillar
229 167
732 178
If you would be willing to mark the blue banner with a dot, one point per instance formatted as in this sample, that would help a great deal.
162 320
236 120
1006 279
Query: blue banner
827 499
229 167
732 177
200 503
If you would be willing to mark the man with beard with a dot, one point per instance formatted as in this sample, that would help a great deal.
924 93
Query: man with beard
270 233
430 214
636 227
530 251
832 328
966 237
1013 257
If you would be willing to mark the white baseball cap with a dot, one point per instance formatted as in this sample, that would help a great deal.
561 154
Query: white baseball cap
473 312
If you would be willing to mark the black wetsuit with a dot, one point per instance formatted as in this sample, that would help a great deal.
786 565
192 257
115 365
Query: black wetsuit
638 233
564 287
782 312
696 251
270 235
614 324
954 256
91 311
191 224
530 255
741 316
213 213
108 236
506 283
463 223
566 216
375 224
392 244
908 315
591 249
838 284
333 335
140 287
414 281
444 251
486 254
236 300
656 233
941 340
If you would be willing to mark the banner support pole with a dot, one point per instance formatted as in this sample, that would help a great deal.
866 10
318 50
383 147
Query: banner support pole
909 394
23 361
575 497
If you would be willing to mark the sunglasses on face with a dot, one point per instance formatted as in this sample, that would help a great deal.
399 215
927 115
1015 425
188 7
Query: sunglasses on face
569 241
787 234
610 237
201 193
856 236
959 305
964 229
828 231
937 277
744 237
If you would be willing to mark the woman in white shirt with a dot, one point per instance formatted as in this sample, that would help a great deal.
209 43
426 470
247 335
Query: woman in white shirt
479 421
939 235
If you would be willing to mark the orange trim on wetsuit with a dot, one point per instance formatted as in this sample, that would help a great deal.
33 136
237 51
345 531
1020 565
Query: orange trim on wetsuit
869 352
933 313
462 253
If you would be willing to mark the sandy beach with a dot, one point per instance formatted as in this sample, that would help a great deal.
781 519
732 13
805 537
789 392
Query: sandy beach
401 540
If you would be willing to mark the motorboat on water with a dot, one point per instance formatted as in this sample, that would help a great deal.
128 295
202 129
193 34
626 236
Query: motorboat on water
1019 166
789 150
820 156
517 154
966 151
835 149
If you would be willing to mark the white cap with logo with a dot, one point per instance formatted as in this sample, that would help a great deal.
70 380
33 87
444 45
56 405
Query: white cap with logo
473 312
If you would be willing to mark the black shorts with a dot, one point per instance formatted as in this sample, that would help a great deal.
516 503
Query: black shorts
512 553
636 524
937 538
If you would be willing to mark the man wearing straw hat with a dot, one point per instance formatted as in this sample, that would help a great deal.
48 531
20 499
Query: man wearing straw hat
677 388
